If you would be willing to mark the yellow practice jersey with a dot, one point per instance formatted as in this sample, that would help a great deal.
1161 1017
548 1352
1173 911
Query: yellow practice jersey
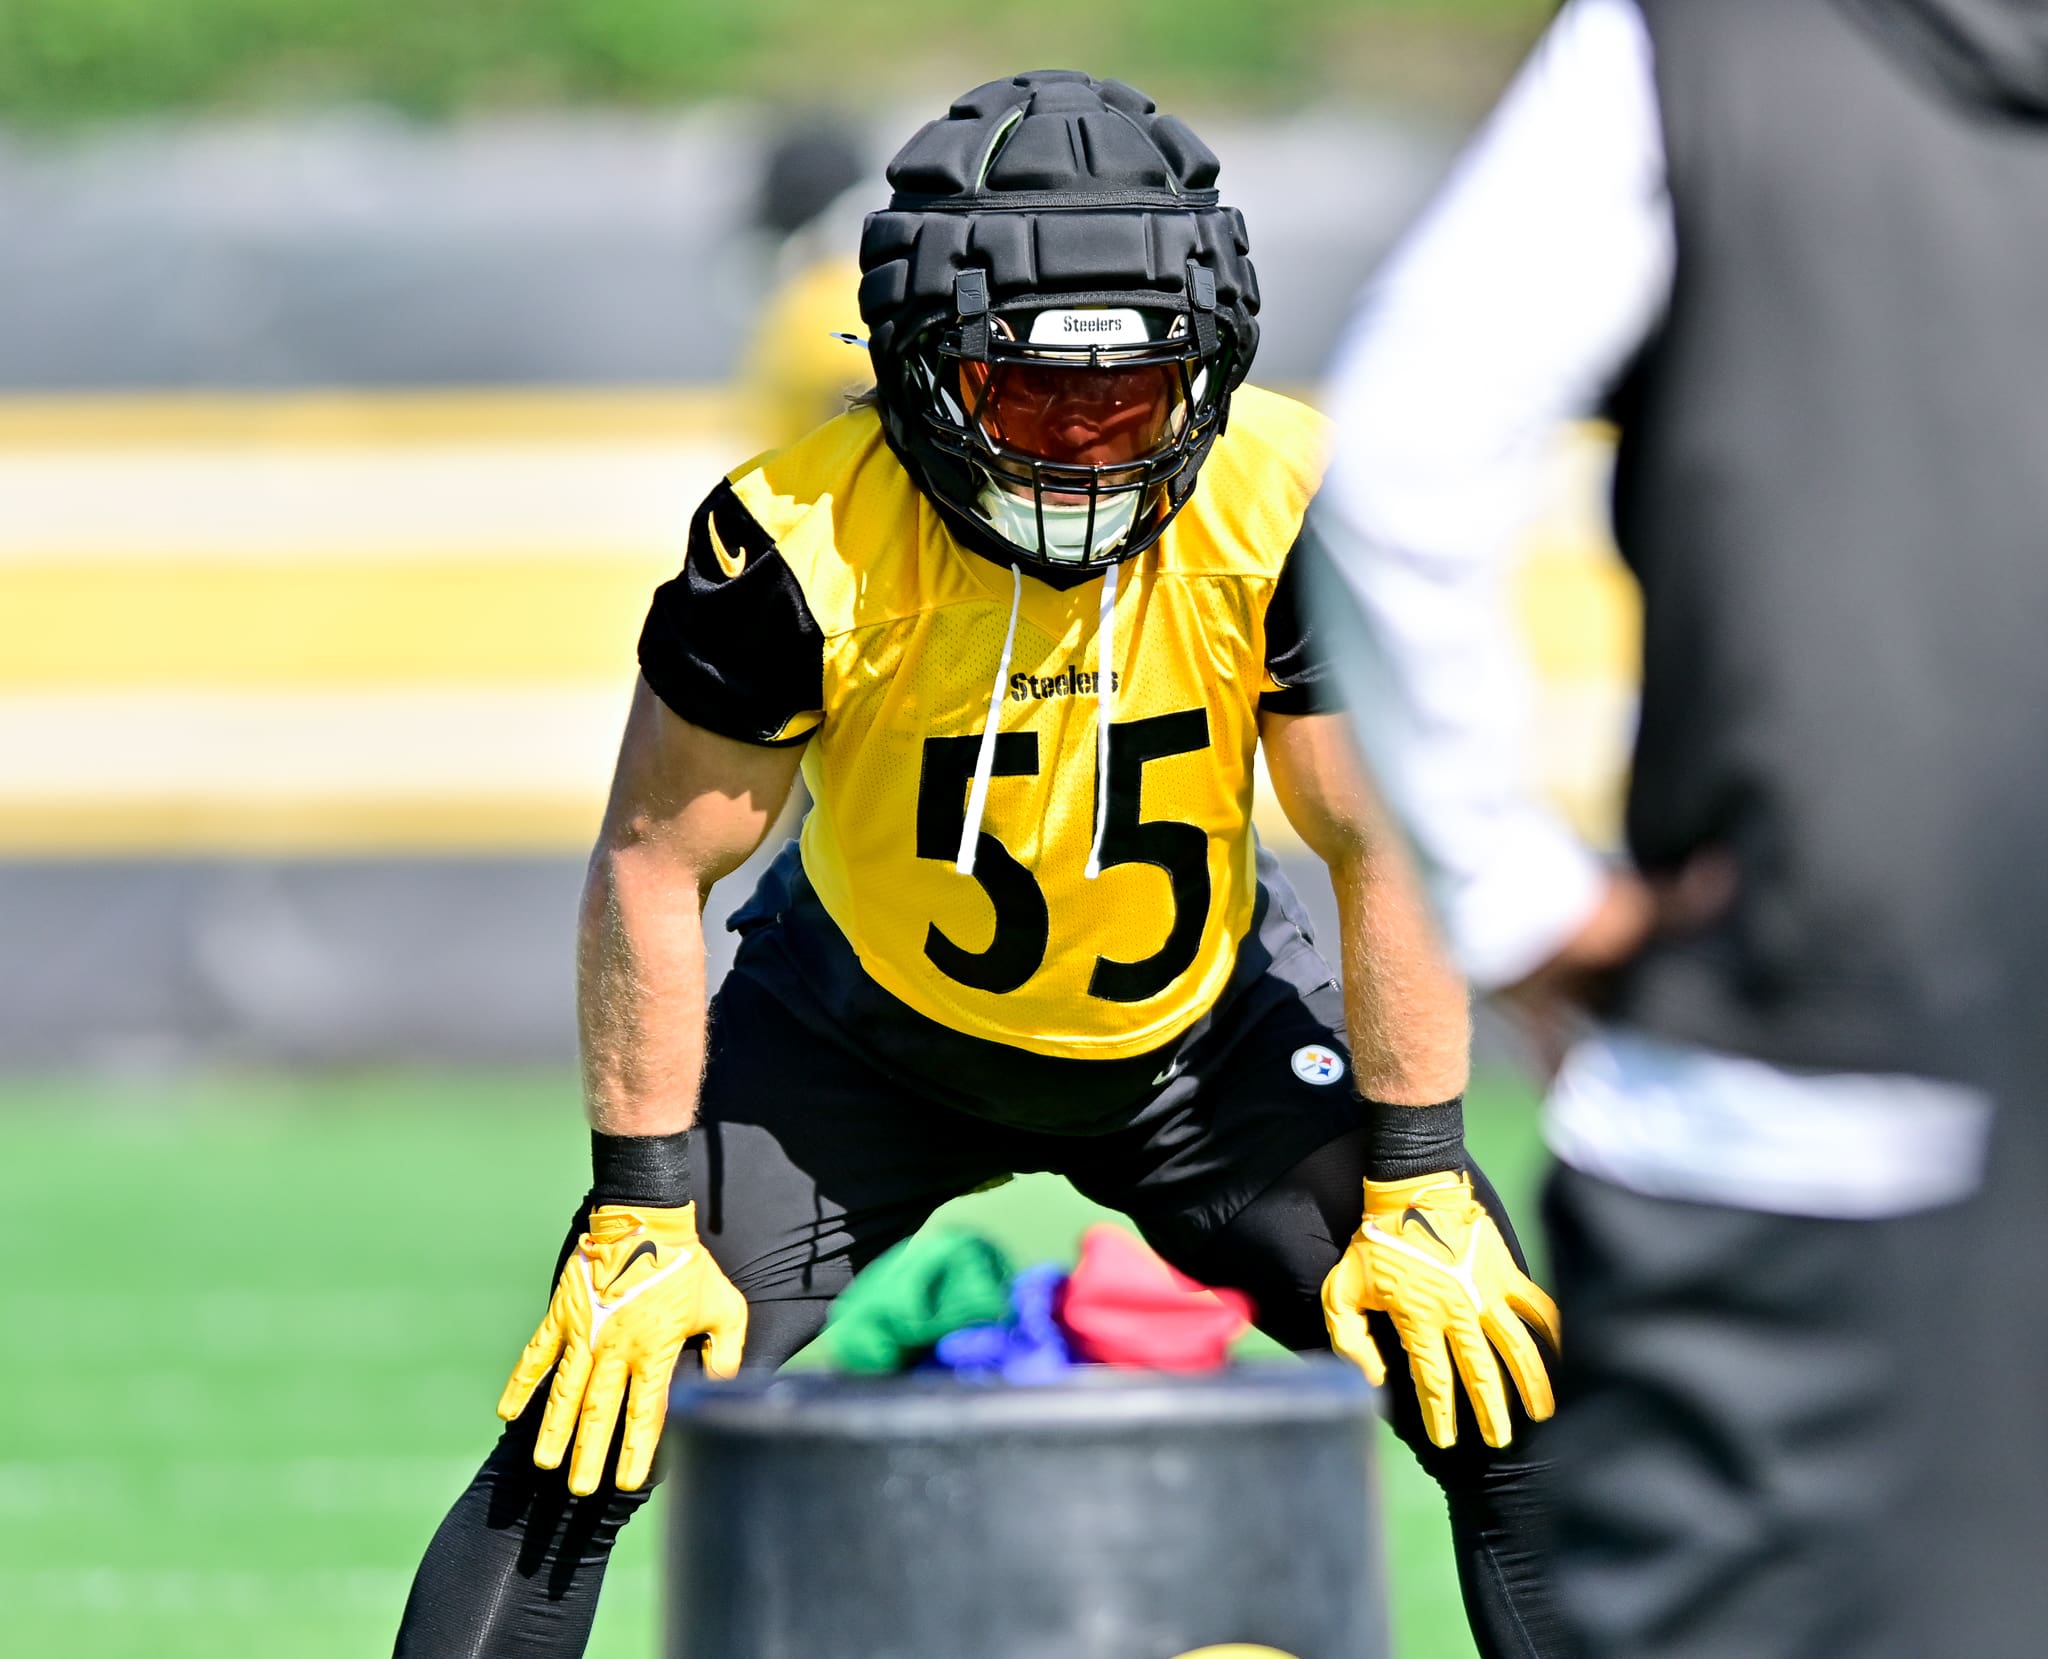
872 635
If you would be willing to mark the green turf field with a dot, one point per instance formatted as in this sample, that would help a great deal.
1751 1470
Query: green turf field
254 1331
63 59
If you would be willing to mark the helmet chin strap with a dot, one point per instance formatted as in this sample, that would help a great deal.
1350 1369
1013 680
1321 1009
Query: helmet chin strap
985 755
1105 713
1067 540
1105 716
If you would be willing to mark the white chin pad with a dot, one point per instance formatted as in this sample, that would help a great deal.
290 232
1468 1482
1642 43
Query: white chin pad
1067 541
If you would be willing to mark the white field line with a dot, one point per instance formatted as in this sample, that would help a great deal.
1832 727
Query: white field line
162 1592
455 499
155 1407
217 1324
38 1491
430 744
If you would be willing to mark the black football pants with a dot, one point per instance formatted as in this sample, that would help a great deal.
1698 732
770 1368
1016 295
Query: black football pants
814 1163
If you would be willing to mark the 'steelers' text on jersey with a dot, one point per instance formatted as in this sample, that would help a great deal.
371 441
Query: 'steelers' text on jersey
870 633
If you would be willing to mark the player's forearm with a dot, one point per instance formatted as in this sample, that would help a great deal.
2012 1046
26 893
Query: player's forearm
1404 1001
640 991
1404 1004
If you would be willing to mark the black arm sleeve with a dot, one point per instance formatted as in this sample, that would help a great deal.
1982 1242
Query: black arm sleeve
1306 684
730 643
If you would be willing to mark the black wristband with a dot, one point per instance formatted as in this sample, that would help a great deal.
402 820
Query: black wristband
1407 1141
640 1169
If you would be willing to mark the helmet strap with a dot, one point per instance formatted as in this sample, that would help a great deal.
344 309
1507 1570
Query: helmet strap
970 304
1202 305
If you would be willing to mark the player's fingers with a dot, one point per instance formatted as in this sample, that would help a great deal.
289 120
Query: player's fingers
1345 1321
565 1399
601 1403
1533 1304
1350 1337
1346 1284
725 1330
1430 1373
532 1365
1480 1372
646 1409
1524 1362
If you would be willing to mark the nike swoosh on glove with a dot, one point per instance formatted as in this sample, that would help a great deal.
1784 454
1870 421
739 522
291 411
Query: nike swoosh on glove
637 1287
1428 1256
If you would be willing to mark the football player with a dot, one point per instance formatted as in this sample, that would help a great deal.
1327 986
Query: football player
1022 620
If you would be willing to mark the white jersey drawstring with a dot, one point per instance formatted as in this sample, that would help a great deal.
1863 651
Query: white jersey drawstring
1105 712
985 756
1105 705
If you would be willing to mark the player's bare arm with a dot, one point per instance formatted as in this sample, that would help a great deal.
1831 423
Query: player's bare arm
687 807
1404 1003
1427 1254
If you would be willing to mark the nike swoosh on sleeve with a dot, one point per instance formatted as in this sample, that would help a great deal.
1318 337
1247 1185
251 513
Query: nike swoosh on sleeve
726 562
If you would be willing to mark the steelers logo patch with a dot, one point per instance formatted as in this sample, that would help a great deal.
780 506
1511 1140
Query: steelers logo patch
1316 1064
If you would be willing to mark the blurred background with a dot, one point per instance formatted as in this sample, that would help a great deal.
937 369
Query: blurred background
360 364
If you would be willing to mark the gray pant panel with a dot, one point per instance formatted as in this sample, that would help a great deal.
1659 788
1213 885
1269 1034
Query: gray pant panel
1744 1427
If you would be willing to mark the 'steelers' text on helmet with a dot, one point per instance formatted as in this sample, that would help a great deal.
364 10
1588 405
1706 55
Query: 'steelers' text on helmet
1058 309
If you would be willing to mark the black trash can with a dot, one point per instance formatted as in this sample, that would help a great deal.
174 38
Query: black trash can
1122 1515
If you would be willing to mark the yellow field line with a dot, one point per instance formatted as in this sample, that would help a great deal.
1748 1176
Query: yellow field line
328 620
1579 613
407 415
322 419
193 827
322 621
216 827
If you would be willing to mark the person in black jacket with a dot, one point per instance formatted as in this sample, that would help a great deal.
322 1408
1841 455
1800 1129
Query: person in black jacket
1796 249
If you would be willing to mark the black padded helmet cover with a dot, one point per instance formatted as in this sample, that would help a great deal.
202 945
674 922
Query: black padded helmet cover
1057 188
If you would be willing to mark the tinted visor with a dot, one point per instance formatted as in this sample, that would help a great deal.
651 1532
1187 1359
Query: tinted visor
1078 415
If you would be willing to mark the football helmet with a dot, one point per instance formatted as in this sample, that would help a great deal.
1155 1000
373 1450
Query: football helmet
1058 310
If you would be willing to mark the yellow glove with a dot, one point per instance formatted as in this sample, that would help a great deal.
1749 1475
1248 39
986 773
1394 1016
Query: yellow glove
1429 1257
638 1286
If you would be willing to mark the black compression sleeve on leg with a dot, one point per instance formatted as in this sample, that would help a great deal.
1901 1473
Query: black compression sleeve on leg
515 1569
1278 1249
1491 1202
516 1566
